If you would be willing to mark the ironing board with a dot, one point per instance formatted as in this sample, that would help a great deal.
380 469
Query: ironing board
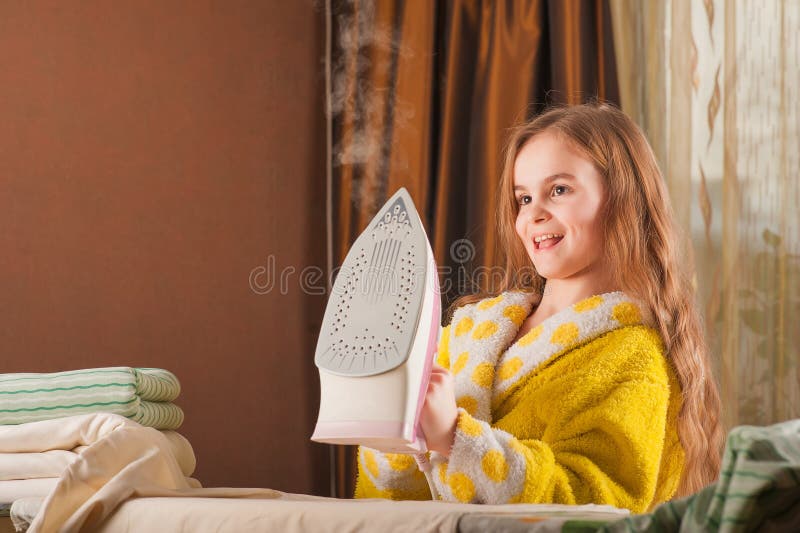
221 514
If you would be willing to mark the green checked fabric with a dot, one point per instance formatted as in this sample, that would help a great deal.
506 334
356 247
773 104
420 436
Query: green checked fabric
141 394
758 488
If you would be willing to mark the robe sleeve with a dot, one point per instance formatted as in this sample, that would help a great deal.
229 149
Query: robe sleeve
396 476
604 448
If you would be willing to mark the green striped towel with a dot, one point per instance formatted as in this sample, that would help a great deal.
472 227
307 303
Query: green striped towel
758 488
141 394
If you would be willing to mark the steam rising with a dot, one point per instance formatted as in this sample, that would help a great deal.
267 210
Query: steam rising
366 114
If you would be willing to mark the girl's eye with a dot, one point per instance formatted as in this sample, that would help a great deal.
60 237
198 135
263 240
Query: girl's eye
558 190
524 199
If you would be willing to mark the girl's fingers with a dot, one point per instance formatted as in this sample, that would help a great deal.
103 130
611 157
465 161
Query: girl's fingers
437 379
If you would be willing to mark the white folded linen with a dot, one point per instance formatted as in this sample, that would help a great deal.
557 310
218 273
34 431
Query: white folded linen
61 433
15 489
34 464
44 449
128 461
34 455
182 451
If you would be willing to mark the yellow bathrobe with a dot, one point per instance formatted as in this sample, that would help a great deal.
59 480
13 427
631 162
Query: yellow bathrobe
582 409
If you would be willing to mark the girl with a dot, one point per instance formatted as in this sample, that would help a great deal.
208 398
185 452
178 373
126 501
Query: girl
586 379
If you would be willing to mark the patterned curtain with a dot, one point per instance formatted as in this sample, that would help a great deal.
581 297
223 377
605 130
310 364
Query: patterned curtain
724 120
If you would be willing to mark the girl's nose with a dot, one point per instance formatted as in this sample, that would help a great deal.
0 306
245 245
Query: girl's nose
538 214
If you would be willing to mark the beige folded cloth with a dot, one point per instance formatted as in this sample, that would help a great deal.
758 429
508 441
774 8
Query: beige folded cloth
181 449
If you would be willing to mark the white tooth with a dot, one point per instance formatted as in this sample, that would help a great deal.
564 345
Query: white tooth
541 238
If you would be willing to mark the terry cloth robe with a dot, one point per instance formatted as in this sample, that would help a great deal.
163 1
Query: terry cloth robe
582 409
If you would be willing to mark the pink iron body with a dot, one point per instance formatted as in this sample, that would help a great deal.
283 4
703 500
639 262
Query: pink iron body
379 335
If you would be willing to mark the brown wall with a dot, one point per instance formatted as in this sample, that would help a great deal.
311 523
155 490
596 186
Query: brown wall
152 154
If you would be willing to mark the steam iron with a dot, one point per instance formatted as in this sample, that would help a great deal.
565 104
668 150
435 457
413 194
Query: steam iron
379 335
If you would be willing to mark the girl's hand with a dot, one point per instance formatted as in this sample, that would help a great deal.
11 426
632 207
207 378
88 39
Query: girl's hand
440 414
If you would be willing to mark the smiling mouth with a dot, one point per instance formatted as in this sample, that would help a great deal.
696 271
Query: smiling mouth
547 244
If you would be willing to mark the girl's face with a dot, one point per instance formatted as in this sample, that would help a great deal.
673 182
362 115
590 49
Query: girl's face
560 193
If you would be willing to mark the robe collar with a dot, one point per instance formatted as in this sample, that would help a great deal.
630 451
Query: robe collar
487 368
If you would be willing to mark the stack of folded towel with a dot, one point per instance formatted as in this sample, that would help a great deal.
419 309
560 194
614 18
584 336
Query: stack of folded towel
32 405
144 395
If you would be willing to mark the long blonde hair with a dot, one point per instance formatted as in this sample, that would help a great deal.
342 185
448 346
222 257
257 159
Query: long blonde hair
641 244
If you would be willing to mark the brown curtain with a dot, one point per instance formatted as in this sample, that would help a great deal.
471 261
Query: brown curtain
422 94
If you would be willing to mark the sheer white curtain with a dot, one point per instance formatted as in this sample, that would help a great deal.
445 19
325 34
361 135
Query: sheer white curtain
715 84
